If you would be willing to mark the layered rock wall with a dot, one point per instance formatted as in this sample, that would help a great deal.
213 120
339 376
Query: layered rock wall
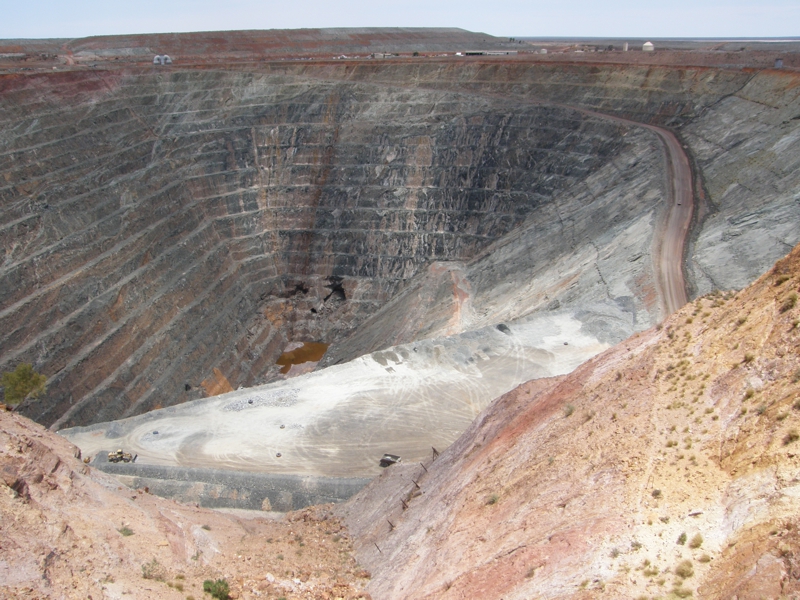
168 233
156 228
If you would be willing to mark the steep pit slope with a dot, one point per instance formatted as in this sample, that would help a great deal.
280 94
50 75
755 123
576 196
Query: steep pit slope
603 255
167 233
671 462
740 126
69 531
747 148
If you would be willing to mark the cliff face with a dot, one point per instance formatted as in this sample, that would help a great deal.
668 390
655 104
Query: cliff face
158 228
739 126
668 463
166 234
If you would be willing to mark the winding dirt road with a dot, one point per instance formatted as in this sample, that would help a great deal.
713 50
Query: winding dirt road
674 228
670 234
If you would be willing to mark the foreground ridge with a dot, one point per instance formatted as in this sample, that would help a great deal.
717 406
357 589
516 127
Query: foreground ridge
670 462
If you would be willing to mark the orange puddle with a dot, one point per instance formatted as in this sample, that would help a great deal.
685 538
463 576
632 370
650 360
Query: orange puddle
308 352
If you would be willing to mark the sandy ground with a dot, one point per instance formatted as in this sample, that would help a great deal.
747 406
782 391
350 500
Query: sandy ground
339 421
72 532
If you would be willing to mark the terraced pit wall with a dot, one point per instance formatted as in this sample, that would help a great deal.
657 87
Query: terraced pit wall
164 235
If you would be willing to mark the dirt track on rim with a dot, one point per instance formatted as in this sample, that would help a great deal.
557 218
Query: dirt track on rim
669 243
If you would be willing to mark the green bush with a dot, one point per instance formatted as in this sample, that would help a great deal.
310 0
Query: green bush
218 589
682 538
23 382
154 570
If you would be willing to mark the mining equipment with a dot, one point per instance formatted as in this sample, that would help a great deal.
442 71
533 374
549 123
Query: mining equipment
389 459
120 456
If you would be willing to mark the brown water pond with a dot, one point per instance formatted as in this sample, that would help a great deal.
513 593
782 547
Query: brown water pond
308 352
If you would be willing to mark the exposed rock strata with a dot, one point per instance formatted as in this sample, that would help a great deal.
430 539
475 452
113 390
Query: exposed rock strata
159 226
156 229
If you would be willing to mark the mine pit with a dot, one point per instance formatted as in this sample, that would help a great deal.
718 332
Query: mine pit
399 285
484 222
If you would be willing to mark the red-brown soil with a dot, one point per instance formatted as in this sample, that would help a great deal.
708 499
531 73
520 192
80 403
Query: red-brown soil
69 531
679 444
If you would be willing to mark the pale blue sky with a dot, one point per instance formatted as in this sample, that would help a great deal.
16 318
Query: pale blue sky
622 18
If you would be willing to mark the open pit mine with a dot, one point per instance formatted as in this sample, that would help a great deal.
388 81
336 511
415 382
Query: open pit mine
261 267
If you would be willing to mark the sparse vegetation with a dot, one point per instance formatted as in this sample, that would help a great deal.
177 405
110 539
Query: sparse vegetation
650 571
206 527
789 302
790 437
696 541
684 569
781 279
681 592
656 493
568 410
681 539
21 383
749 393
704 559
154 570
748 358
125 531
492 499
218 589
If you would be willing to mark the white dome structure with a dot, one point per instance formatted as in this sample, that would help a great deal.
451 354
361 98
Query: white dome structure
648 47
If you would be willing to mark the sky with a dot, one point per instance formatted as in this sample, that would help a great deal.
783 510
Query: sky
517 18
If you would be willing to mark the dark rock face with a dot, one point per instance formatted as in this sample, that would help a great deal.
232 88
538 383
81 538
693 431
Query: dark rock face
155 229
